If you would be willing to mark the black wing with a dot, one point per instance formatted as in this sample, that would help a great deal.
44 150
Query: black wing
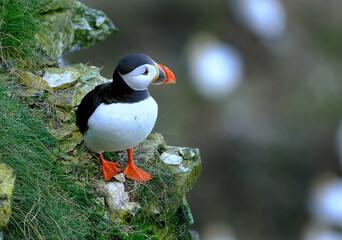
88 105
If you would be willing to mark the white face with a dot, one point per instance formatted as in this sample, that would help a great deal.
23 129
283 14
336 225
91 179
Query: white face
141 77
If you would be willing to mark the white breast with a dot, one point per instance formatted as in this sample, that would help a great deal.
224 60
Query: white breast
119 126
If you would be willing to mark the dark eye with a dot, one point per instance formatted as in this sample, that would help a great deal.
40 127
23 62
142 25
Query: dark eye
146 72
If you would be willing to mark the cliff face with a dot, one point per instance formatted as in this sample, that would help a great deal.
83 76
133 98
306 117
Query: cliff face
131 210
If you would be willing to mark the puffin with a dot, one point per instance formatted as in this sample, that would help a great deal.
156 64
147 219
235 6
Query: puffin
118 115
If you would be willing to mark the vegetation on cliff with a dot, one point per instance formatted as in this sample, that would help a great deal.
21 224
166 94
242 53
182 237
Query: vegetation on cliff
19 23
48 204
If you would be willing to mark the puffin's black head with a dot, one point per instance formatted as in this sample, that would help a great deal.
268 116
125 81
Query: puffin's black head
131 62
139 71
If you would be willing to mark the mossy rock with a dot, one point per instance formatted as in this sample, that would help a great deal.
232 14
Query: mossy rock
57 32
51 5
61 78
81 77
7 178
90 26
31 80
69 26
159 206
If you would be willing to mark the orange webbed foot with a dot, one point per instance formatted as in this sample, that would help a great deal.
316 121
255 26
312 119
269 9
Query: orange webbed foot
135 173
109 169
132 172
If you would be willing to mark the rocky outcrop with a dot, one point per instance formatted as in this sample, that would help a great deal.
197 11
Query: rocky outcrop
68 25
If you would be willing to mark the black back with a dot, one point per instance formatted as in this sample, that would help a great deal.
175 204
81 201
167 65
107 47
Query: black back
115 92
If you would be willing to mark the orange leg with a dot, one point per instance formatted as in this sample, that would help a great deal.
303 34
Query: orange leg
109 169
133 172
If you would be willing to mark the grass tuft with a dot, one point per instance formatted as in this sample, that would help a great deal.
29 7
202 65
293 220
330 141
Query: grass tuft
19 21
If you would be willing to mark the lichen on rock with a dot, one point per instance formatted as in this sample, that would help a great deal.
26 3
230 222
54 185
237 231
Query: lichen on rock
71 84
90 26
61 78
51 5
69 25
7 178
34 82
57 32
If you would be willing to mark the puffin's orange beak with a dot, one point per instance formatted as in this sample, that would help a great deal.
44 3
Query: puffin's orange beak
165 76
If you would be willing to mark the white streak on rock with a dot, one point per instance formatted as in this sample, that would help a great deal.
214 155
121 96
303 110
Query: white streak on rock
171 159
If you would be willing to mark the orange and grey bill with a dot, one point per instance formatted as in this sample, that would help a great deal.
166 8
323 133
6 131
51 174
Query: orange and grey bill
169 76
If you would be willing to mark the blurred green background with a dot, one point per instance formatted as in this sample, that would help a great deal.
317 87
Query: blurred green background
272 136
